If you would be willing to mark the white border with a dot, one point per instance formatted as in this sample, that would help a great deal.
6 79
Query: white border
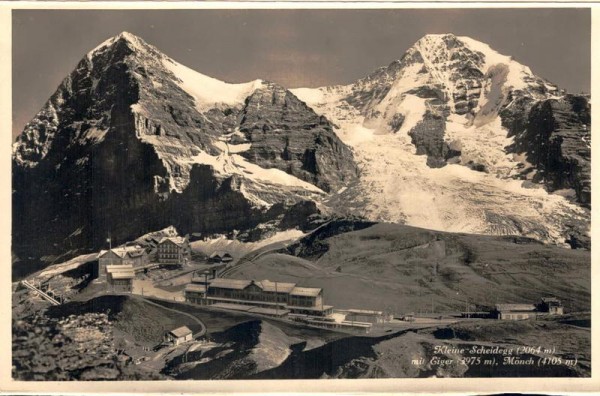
396 386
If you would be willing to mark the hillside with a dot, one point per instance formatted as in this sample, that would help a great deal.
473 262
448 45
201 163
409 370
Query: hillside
405 269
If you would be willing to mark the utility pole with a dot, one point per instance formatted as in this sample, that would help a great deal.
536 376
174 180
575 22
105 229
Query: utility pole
205 288
276 301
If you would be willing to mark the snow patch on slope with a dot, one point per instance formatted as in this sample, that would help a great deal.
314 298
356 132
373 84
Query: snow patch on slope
482 145
237 165
413 108
209 92
238 249
517 72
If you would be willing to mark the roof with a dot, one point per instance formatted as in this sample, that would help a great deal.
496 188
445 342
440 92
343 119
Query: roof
179 241
550 299
194 287
121 271
281 287
181 331
200 280
219 253
252 309
237 284
123 251
364 312
137 253
119 268
515 307
315 309
306 291
123 275
266 285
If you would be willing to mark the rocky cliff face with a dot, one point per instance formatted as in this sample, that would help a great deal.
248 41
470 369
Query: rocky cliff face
555 134
439 76
313 153
132 141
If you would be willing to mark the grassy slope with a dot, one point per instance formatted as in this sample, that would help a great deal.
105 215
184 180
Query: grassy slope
401 268
568 341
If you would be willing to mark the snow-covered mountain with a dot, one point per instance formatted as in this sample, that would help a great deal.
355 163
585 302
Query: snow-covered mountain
457 137
453 136
133 141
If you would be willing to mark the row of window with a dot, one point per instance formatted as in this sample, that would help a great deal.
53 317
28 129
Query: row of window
302 301
169 248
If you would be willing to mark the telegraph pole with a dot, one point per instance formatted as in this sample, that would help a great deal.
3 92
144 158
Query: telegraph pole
276 301
205 288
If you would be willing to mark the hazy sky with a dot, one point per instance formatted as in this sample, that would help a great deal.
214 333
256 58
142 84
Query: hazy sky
291 47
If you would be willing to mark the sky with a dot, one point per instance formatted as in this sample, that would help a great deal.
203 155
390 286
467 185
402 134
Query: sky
295 48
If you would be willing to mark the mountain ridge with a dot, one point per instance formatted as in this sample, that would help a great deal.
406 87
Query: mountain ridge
130 132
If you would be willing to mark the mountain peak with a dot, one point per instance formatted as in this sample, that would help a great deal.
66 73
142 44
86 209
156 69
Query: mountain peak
132 41
128 36
446 40
438 37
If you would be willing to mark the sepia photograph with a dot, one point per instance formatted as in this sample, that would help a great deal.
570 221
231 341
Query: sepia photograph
318 194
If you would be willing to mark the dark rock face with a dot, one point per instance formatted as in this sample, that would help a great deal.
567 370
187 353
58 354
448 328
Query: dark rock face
556 138
428 138
288 135
111 153
66 198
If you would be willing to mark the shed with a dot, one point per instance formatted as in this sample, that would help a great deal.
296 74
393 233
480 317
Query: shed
179 335
515 311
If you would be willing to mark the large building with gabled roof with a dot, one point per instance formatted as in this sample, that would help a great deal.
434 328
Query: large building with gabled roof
277 296
173 250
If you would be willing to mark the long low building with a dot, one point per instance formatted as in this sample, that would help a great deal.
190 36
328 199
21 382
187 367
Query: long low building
363 315
265 293
515 311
